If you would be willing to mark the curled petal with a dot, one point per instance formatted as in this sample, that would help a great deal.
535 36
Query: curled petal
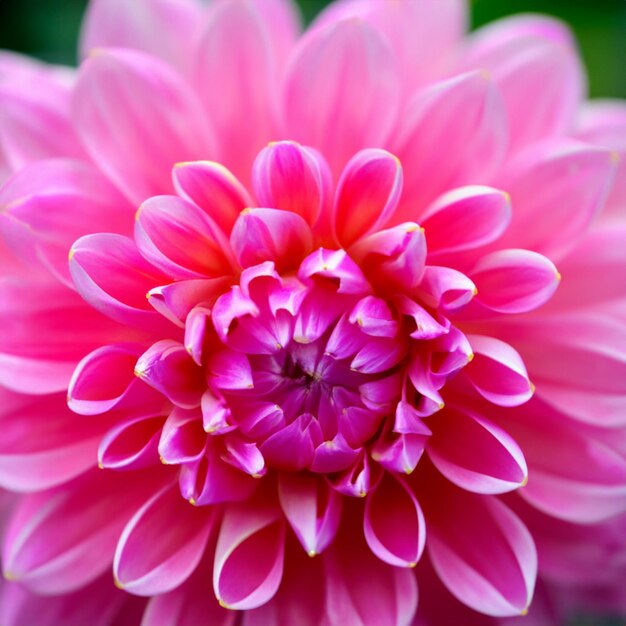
497 372
312 508
466 218
110 274
179 238
465 527
374 317
230 370
167 367
245 456
476 454
214 189
514 281
446 288
337 266
361 98
333 455
293 178
161 545
182 437
359 478
249 555
111 130
400 453
367 194
394 523
270 235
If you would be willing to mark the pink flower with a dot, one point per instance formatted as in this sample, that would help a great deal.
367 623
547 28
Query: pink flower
351 343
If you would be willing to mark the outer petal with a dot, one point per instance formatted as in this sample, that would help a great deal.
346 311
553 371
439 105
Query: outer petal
249 555
351 71
236 66
367 194
454 133
111 275
481 551
497 372
121 98
521 53
514 281
63 447
162 28
476 454
361 590
162 544
394 524
58 541
312 508
180 239
293 178
56 201
574 180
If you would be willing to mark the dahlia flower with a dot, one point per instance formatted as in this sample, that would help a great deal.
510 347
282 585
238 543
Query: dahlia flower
344 318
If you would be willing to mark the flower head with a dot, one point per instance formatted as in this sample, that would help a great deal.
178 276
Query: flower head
334 327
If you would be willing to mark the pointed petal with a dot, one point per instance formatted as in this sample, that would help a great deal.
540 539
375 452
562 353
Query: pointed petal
361 97
293 178
214 189
114 121
463 529
312 508
476 454
291 448
162 544
394 523
454 133
367 194
466 218
446 288
497 372
249 555
182 438
270 235
337 266
110 274
514 281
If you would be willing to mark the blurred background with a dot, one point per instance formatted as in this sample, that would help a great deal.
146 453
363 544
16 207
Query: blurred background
48 29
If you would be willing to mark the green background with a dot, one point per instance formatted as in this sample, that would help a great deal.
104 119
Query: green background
48 29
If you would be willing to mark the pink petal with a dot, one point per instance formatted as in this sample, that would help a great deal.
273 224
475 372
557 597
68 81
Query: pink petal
245 456
574 179
446 288
361 98
111 275
214 189
271 235
497 372
361 590
162 544
514 281
293 178
190 604
394 524
162 28
57 201
337 266
374 317
481 551
121 97
367 194
182 438
475 453
103 379
179 238
312 508
167 367
400 453
132 444
520 53
466 218
235 65
60 540
249 556
230 370
63 448
454 133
